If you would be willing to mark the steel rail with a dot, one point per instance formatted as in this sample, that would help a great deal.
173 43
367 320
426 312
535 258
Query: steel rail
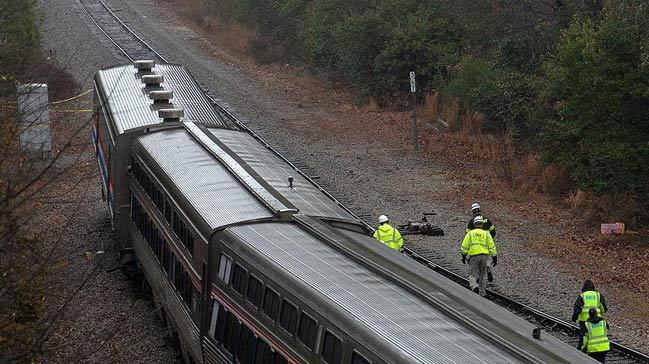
508 302
126 27
216 104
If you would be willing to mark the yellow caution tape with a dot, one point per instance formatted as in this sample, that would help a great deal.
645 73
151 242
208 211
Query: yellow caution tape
62 101
71 98
53 110
72 110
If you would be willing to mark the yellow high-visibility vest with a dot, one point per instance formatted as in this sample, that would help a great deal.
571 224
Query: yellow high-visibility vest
591 300
389 236
478 241
597 338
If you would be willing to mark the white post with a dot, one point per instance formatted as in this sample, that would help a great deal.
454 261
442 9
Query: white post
34 119
413 89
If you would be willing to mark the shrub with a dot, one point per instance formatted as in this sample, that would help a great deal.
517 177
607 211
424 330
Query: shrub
18 35
501 94
598 86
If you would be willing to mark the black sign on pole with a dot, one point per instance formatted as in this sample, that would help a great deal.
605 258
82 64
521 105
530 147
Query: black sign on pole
413 89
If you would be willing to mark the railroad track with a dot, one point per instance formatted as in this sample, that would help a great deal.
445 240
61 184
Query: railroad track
564 330
130 44
134 48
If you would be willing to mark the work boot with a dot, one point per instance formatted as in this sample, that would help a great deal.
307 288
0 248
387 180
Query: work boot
490 277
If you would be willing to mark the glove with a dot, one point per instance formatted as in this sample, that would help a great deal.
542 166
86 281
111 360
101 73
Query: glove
494 261
463 258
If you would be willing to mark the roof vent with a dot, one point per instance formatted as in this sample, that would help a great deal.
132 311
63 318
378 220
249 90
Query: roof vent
171 115
161 96
144 65
152 80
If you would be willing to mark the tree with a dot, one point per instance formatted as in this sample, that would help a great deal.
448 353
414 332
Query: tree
598 84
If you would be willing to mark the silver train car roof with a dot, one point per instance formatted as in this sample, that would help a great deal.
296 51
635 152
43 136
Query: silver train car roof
126 94
229 178
401 309
415 330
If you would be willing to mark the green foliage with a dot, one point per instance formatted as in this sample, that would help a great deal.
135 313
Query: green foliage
500 94
421 41
372 45
568 78
598 83
18 35
277 24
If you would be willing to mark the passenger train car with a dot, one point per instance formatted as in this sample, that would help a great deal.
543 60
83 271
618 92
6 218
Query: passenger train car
249 261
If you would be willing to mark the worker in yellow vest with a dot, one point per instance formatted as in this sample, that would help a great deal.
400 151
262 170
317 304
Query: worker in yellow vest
488 225
587 299
478 245
594 335
388 235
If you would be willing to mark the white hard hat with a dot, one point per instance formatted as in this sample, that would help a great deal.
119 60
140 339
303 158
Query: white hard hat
383 219
477 221
475 207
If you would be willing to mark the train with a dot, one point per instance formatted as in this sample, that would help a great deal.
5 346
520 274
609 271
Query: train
250 261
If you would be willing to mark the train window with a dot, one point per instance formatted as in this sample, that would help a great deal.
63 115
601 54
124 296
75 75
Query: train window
147 224
188 239
134 168
225 268
167 211
215 315
234 342
158 247
154 241
244 343
231 338
190 242
279 359
133 208
183 285
251 348
221 321
154 194
166 258
288 317
239 279
181 231
178 272
255 291
195 298
147 185
271 304
263 355
332 349
307 331
175 225
160 201
175 277
152 234
359 359
189 290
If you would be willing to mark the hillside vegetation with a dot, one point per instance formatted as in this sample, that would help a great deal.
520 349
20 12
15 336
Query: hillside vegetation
565 80
25 261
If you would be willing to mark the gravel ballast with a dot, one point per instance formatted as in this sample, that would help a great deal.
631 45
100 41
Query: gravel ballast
345 148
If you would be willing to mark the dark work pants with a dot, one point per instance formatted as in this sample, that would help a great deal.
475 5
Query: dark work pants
600 357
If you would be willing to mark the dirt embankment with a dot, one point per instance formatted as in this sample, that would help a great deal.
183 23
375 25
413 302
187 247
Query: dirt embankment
543 237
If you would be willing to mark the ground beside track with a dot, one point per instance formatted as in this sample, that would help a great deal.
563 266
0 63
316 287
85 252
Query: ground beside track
347 145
